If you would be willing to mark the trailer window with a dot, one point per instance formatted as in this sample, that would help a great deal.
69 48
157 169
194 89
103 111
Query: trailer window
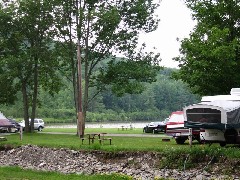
204 115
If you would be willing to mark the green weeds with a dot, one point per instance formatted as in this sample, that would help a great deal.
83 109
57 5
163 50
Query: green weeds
16 173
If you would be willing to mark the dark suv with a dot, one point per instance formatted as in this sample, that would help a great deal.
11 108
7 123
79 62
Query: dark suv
155 127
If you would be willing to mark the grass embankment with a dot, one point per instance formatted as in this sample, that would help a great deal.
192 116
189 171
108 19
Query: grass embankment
173 155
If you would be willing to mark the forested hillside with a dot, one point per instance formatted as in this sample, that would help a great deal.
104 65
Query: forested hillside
155 103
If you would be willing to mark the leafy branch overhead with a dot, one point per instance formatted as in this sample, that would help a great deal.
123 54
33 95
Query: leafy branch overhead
107 28
129 75
210 60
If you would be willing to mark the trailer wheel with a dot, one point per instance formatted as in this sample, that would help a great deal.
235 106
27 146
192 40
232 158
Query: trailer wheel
222 144
197 137
180 140
230 136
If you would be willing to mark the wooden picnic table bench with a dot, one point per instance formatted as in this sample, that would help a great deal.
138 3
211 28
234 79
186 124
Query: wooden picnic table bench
102 139
92 136
3 138
123 128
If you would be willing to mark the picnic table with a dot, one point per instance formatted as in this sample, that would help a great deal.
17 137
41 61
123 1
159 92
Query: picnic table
3 138
125 127
122 128
91 137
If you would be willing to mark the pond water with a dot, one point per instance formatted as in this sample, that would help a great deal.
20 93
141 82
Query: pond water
103 125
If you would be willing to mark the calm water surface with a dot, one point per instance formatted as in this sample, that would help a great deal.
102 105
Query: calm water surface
102 125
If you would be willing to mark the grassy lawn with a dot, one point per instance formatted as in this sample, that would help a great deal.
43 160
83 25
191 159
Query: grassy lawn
119 143
72 141
16 173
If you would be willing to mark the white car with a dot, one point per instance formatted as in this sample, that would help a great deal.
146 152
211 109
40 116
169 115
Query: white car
38 124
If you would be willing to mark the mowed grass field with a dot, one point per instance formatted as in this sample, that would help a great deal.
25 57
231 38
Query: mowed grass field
124 141
69 139
16 173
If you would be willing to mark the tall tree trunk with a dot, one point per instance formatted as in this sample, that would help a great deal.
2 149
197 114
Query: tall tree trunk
35 93
74 80
80 124
25 106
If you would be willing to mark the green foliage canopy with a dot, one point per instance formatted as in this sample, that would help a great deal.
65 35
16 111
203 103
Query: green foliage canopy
210 60
27 54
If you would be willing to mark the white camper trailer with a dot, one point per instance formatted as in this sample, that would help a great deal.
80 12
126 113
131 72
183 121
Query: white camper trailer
218 117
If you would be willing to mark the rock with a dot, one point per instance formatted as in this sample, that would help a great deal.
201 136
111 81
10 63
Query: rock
62 160
200 177
41 164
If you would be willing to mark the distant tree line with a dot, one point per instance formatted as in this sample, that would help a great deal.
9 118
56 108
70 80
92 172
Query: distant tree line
155 103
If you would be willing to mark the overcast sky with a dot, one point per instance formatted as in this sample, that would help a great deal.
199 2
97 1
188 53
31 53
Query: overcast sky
175 22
